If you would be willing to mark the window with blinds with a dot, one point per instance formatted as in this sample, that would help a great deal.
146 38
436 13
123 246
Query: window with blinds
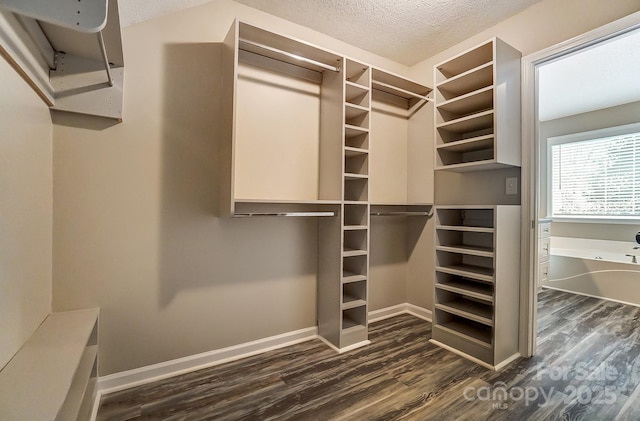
596 177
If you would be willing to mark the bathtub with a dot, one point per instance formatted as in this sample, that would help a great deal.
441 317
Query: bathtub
597 268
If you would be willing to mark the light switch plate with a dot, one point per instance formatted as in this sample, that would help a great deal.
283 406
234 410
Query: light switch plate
511 186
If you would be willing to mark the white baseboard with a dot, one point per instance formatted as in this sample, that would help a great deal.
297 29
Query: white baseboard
131 378
497 367
419 312
404 308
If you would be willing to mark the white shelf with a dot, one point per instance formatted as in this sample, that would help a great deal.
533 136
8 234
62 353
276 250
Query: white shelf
473 102
469 81
471 123
355 227
353 131
469 250
469 271
40 378
464 228
468 309
348 277
476 143
349 301
479 290
465 61
352 176
353 252
463 330
350 151
398 85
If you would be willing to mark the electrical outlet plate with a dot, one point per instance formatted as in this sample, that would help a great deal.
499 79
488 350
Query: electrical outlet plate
511 186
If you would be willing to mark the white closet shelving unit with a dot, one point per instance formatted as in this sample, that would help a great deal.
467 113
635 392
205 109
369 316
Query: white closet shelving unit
325 159
477 105
53 376
355 223
477 281
307 171
400 116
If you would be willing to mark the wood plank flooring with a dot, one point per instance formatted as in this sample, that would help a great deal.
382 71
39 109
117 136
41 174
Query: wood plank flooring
587 368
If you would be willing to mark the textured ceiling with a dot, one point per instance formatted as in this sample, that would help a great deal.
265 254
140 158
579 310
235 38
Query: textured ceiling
134 11
405 31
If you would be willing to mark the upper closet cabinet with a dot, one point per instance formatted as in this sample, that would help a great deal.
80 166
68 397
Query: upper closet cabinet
282 127
477 114
400 154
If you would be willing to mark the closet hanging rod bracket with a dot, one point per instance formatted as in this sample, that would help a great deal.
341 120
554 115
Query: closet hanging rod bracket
103 50
290 55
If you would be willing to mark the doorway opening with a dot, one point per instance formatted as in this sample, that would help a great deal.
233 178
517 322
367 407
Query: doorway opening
560 121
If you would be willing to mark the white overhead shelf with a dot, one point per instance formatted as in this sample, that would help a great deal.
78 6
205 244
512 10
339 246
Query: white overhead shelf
84 16
79 47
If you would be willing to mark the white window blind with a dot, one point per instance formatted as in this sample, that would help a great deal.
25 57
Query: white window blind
596 177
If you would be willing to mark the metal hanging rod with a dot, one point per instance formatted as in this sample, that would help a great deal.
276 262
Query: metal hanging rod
291 55
105 58
285 214
408 213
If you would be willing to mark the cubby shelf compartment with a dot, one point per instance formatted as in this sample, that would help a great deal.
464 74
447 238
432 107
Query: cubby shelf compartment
465 307
468 104
477 276
469 81
477 126
465 286
353 111
478 334
354 295
466 124
477 143
349 324
357 95
397 90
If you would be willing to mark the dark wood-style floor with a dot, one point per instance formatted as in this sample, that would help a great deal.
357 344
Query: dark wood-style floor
587 368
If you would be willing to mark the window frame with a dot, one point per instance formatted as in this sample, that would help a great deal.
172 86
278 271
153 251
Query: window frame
580 137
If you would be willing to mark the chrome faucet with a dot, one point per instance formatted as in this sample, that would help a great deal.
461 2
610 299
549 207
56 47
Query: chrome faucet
634 258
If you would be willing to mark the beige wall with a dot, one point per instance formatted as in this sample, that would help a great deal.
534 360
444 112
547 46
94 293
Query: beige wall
25 212
600 119
135 231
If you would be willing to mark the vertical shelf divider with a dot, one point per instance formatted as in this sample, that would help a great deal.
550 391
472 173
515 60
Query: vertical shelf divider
355 208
